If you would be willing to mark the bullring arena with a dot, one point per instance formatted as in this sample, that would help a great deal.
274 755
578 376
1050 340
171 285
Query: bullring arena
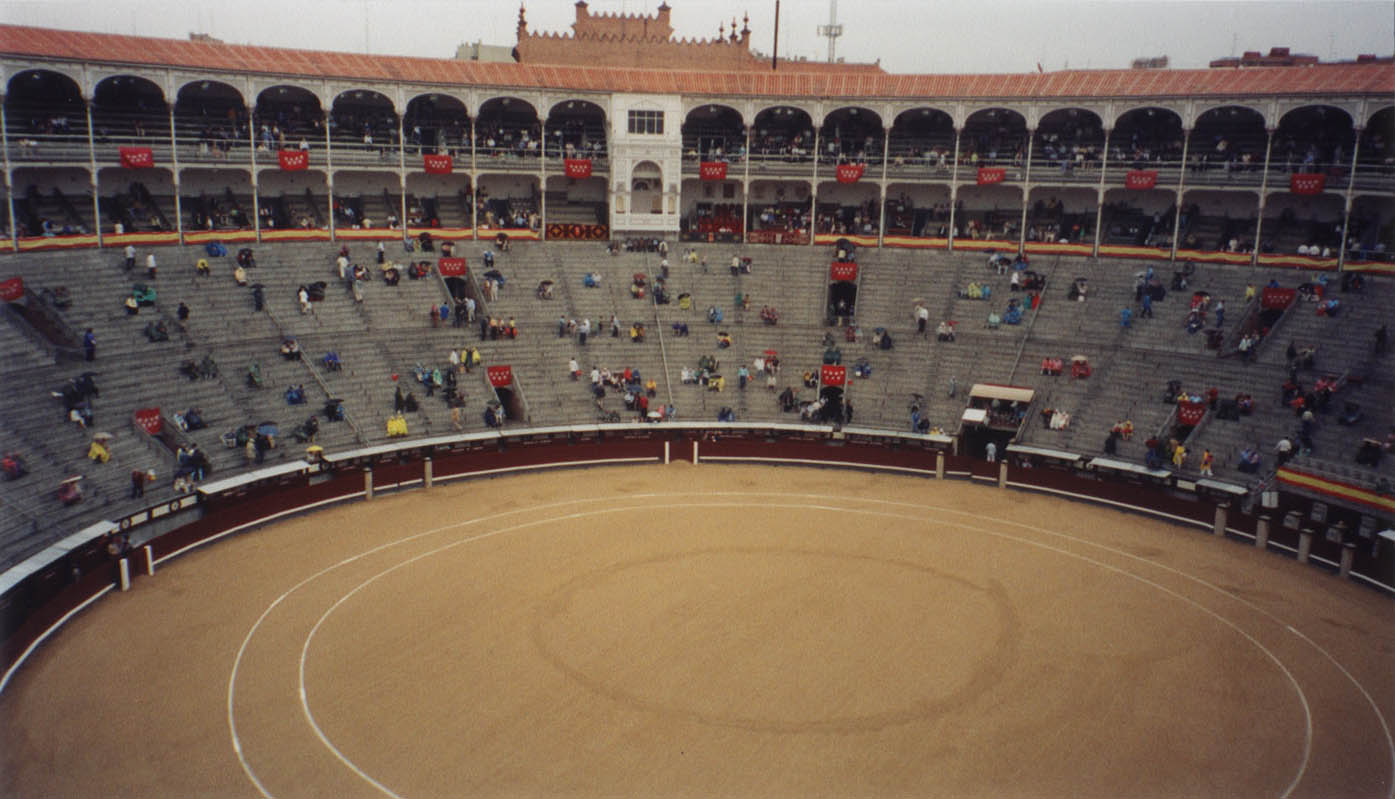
625 414
714 630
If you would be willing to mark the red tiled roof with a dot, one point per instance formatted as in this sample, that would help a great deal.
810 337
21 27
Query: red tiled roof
1322 79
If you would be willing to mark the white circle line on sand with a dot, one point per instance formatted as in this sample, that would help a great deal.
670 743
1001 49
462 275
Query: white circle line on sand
356 769
251 632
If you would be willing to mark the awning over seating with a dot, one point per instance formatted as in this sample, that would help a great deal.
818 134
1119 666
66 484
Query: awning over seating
974 416
997 392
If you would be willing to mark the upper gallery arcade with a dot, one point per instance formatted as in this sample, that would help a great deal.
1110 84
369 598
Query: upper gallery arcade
1172 161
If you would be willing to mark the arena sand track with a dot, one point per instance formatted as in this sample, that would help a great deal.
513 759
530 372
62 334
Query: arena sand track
714 631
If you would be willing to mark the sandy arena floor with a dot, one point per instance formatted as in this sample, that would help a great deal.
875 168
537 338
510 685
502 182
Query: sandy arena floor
714 631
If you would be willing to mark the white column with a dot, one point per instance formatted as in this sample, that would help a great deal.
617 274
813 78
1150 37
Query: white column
1099 198
1026 191
174 173
1263 191
1181 184
9 180
1346 214
92 165
954 186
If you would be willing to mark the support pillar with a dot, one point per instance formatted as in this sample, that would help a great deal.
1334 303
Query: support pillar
1099 196
1263 192
886 163
367 483
1002 474
1262 533
695 453
1351 185
814 190
1218 529
149 560
174 174
1181 185
475 192
124 567
745 188
666 453
92 165
1026 191
939 466
1305 544
954 186
9 187
426 474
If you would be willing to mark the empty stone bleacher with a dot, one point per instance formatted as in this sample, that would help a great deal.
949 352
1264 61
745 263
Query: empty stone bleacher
391 333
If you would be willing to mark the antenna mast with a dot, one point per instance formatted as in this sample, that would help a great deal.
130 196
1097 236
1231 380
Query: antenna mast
832 30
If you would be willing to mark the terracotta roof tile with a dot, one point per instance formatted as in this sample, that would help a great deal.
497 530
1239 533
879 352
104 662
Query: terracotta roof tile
801 80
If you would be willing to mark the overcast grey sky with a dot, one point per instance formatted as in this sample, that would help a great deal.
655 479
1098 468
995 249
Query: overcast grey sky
907 35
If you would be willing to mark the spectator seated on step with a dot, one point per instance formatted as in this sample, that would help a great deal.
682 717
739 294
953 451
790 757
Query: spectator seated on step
1249 460
69 491
334 410
726 415
156 331
637 333
98 450
208 368
1351 414
331 361
392 275
769 315
12 466
492 417
131 306
190 369
240 276
863 368
307 430
944 331
290 349
254 375
396 426
810 380
832 356
295 395
723 340
714 314
1013 314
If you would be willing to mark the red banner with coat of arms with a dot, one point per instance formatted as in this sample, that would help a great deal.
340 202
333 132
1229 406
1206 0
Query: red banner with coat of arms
833 375
499 376
293 160
1141 179
1189 413
137 157
712 170
578 167
850 173
1307 183
842 270
12 290
149 420
437 164
991 174
451 267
